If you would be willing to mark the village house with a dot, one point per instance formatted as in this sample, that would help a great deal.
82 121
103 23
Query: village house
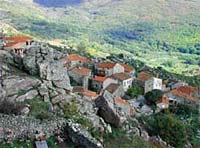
116 90
85 93
142 77
124 106
100 83
109 68
184 95
74 60
128 69
123 79
173 84
81 76
153 83
162 103
17 42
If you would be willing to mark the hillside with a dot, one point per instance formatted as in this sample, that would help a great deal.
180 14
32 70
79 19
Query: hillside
159 32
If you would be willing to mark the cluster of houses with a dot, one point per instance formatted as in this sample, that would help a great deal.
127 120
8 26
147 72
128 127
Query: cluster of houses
92 77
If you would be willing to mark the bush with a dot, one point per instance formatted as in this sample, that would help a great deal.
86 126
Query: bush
168 128
153 96
135 91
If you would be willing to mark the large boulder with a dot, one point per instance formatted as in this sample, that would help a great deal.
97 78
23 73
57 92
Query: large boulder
107 111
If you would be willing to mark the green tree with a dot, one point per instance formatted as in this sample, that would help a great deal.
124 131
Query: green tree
134 91
153 96
168 128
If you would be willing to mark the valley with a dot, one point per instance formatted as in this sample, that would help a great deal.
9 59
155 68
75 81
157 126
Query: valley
162 33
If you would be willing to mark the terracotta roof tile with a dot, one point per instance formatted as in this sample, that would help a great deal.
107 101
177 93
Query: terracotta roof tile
176 92
76 57
82 71
108 65
121 101
127 68
143 76
11 41
99 79
121 76
187 89
112 87
163 100
88 93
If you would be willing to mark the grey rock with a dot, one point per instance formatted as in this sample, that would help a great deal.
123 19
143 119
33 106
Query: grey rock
107 111
29 95
81 136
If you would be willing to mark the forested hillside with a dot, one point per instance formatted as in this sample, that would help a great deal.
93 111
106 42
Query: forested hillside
159 32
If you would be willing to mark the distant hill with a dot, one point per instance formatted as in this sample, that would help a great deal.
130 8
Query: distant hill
159 32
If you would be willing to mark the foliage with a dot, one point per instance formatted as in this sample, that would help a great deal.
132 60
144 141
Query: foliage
17 144
168 128
119 138
139 28
135 91
71 112
39 108
153 96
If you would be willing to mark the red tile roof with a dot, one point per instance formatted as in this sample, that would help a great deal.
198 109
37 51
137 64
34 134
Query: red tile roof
88 93
76 57
11 41
99 79
176 92
121 101
187 89
108 65
121 76
127 68
163 100
143 76
82 71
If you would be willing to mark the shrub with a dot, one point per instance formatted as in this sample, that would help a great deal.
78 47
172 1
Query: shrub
153 96
169 128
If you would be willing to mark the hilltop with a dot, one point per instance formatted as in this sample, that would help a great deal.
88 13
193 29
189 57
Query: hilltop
162 33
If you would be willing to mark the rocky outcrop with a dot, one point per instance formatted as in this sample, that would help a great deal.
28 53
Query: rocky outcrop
80 136
107 111
44 62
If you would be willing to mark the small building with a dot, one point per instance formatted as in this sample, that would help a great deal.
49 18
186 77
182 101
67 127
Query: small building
17 42
86 93
81 76
100 83
116 90
142 77
109 68
124 106
162 103
41 144
123 79
184 95
153 83
74 60
128 69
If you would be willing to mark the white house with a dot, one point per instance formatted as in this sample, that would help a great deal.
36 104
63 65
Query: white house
153 83
162 103
100 83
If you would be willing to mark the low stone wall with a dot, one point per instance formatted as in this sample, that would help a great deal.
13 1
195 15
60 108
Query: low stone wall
14 127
